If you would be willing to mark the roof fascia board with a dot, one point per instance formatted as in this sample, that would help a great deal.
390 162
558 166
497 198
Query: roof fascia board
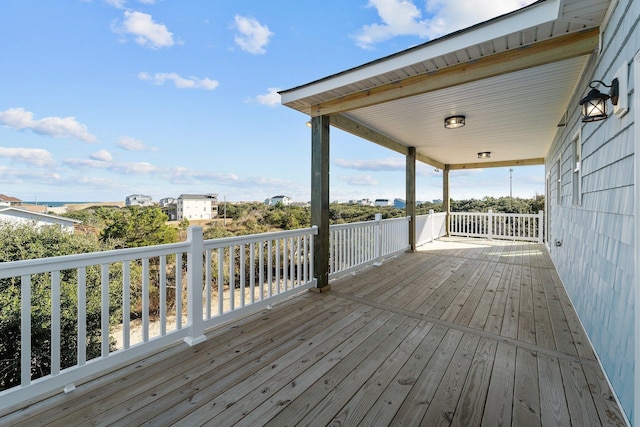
552 50
535 15
61 218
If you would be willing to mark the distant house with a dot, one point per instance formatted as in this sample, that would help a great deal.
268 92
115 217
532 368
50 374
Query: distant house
361 202
284 200
9 201
18 216
139 200
399 203
381 202
167 201
197 206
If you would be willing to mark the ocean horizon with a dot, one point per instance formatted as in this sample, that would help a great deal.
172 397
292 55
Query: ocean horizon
54 204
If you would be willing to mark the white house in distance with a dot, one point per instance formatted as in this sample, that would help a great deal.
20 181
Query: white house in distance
139 200
284 200
18 216
382 202
197 206
9 201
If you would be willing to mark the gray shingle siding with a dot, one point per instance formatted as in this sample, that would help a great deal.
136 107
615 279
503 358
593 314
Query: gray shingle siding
596 259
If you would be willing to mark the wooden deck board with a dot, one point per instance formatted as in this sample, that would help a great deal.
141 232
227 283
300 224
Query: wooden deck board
470 332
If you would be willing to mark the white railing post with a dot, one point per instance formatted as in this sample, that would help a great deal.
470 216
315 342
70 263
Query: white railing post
194 286
540 226
490 224
378 254
432 219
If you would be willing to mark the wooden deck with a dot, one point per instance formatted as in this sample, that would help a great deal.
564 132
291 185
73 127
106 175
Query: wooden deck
469 333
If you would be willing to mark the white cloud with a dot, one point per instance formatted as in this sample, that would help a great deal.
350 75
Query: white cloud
102 156
57 127
388 164
146 32
404 18
252 36
33 156
123 168
271 98
120 4
179 81
365 180
132 144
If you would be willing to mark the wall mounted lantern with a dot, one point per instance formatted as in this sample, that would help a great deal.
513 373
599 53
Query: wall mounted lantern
594 105
484 154
453 122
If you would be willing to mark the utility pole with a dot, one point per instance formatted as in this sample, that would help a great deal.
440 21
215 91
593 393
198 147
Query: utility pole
511 183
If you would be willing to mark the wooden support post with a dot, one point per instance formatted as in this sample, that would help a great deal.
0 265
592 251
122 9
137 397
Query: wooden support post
410 188
320 198
446 206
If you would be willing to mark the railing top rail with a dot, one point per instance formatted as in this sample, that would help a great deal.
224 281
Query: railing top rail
371 223
67 262
256 238
522 215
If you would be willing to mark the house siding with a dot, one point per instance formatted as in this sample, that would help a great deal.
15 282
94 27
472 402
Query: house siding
596 257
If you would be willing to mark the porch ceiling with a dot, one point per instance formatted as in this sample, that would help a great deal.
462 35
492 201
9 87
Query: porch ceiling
512 77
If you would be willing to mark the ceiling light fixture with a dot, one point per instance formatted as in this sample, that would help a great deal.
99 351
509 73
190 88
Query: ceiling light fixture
594 105
453 122
484 154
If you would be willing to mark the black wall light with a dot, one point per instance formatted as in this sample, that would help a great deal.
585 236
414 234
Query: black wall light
594 105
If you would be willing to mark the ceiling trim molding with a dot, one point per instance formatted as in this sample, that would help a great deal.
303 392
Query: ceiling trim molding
502 164
553 50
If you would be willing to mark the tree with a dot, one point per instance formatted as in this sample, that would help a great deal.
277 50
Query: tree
138 226
27 242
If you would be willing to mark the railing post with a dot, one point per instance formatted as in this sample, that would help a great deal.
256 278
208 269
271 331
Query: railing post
378 254
490 224
433 220
540 226
194 286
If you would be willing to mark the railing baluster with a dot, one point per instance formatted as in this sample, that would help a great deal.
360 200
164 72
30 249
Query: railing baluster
252 272
179 290
241 248
82 316
25 330
277 266
285 263
145 299
232 278
270 267
55 322
163 295
261 270
126 303
220 281
207 282
104 314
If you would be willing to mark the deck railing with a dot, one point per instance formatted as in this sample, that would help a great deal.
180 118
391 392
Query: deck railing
176 290
430 227
526 227
356 245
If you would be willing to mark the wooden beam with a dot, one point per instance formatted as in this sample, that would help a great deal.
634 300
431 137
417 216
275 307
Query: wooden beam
546 52
357 129
410 190
502 164
351 126
320 198
446 197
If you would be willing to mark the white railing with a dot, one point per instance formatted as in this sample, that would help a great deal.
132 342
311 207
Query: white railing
220 280
430 227
356 245
490 225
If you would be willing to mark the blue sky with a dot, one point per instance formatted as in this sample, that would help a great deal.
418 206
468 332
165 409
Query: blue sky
105 98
